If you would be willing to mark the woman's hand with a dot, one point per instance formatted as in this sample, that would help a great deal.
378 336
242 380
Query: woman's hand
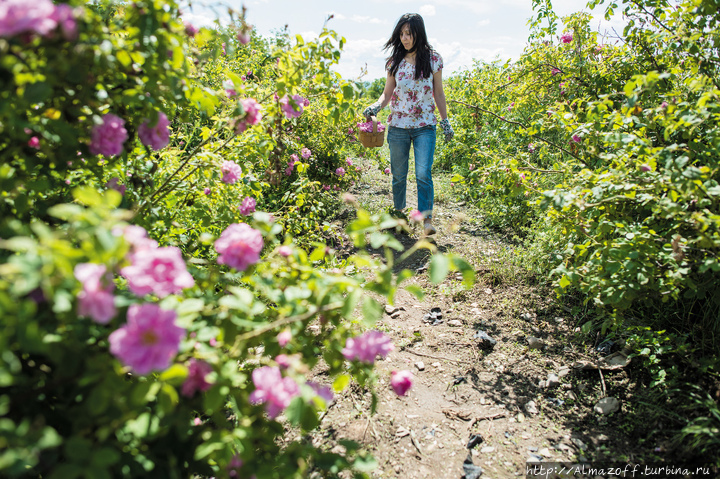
372 110
447 129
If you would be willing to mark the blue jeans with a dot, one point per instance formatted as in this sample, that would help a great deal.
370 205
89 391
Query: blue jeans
423 140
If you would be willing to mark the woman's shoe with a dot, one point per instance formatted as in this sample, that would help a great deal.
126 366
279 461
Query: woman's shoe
429 228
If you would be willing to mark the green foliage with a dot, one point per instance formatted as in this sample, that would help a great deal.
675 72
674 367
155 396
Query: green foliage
604 157
69 407
613 147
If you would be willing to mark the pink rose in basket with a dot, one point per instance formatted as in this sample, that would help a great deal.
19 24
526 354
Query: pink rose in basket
367 127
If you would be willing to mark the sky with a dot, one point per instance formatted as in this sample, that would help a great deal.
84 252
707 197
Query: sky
460 30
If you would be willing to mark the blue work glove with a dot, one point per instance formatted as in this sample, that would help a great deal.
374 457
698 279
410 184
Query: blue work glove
372 110
447 129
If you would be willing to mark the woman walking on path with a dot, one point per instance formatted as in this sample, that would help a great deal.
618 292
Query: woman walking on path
413 87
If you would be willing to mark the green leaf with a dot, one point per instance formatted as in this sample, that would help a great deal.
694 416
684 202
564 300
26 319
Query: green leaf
87 195
341 382
439 267
415 290
37 92
372 310
174 373
365 463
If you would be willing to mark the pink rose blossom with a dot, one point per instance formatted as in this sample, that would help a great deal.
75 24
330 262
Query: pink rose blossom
273 390
555 71
387 171
244 37
34 142
283 360
566 37
156 137
576 138
95 300
161 271
322 391
150 339
234 466
207 191
294 158
367 346
349 162
114 185
293 108
645 167
229 88
22 16
305 153
252 114
231 172
137 237
64 16
190 30
340 171
197 421
248 206
401 381
108 138
531 148
288 170
239 246
417 216
197 370
284 337
284 250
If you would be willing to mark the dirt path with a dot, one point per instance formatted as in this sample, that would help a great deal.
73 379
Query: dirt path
466 391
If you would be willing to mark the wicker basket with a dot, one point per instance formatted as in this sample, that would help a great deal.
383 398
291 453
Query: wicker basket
372 139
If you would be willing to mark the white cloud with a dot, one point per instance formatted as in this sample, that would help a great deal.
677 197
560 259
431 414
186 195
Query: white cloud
427 10
483 22
365 19
198 19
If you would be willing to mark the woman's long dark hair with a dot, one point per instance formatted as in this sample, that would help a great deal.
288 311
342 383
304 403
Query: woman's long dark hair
423 67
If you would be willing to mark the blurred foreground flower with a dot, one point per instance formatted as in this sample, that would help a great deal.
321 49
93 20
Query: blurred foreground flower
150 339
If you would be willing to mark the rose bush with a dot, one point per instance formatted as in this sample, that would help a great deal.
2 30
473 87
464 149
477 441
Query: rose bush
159 314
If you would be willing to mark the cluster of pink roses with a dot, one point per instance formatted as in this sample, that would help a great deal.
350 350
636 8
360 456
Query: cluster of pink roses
291 164
156 137
566 37
248 206
231 172
367 126
251 115
276 391
108 137
239 246
367 346
150 338
40 17
293 107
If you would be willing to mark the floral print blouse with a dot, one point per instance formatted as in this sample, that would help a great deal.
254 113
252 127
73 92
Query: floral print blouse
412 104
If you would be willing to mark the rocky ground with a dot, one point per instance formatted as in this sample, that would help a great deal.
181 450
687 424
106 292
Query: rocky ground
534 395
